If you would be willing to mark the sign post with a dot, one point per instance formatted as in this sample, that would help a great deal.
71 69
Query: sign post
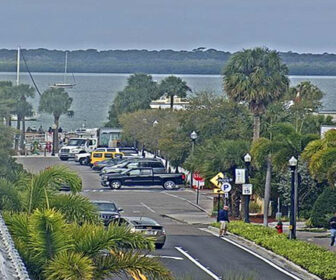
223 187
197 177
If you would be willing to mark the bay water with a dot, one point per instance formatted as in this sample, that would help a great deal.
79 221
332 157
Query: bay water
94 93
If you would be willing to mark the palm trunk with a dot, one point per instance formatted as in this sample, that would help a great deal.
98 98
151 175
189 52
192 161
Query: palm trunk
23 135
17 138
267 189
56 134
256 127
172 102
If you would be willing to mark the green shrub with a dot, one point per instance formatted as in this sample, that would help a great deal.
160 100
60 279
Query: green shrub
254 207
311 257
323 206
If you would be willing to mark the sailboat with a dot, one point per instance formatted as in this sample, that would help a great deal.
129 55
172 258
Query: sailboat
64 84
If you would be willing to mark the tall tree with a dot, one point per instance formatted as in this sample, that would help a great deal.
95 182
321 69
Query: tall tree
321 157
137 95
255 77
173 86
284 142
305 99
57 102
22 107
7 102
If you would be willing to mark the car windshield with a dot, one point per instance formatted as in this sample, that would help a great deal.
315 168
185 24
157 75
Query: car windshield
76 142
104 206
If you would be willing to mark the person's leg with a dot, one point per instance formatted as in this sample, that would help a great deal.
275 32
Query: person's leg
333 235
225 227
221 229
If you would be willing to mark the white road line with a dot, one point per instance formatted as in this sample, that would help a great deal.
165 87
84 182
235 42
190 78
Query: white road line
166 257
255 254
147 207
197 263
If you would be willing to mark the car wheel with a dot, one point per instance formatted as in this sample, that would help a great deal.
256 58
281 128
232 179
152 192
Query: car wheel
159 246
82 161
169 185
64 158
115 184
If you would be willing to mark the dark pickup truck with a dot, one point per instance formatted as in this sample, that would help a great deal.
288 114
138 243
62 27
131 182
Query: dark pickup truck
142 177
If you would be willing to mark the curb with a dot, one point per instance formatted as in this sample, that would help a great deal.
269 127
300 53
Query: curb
271 256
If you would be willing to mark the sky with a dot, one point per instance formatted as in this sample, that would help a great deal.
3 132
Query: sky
230 25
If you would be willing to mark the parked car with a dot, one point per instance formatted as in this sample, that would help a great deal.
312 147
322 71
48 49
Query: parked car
146 226
156 164
100 156
98 165
83 158
108 211
142 177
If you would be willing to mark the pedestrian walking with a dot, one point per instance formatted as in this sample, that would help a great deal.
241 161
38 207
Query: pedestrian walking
224 220
332 223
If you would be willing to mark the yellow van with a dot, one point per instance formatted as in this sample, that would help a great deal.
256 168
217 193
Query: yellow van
101 155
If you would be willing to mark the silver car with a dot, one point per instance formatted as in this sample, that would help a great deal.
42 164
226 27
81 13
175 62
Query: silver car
147 226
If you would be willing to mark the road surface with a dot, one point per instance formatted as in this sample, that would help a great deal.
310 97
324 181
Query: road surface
190 251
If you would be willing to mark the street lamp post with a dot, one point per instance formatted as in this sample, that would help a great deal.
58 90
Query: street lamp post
292 226
155 123
247 159
193 137
54 127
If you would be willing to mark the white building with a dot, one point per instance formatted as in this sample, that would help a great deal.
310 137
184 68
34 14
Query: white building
164 103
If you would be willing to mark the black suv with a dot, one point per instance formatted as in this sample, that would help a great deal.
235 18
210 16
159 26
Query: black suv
108 211
155 164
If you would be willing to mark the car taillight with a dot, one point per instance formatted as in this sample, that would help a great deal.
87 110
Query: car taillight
183 177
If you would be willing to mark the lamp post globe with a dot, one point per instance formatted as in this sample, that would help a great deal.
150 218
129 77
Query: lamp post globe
247 158
292 224
292 162
193 135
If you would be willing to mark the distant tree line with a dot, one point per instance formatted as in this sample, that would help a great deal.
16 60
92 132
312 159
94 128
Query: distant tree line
197 61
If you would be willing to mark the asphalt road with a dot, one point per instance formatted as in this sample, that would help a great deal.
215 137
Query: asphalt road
189 251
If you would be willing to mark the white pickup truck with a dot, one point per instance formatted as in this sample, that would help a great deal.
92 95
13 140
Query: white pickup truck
77 146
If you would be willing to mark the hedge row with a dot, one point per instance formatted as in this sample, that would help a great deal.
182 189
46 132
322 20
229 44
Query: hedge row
311 257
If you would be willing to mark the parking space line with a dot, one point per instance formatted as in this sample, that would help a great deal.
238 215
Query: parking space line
197 263
166 257
147 207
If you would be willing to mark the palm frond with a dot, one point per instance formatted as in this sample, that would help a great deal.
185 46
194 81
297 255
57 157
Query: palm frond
75 208
70 266
133 264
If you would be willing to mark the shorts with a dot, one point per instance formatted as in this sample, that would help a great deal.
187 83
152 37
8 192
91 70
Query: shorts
333 232
223 225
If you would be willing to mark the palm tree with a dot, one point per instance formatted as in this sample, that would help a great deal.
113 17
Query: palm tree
173 86
284 142
22 108
57 102
305 99
38 190
255 77
321 157
57 250
7 102
220 156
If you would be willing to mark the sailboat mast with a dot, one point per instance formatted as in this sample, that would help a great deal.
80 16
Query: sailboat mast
18 67
65 66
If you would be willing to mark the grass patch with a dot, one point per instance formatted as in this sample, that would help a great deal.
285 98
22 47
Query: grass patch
311 257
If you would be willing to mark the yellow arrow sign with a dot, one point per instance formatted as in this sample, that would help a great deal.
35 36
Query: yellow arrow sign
214 180
218 191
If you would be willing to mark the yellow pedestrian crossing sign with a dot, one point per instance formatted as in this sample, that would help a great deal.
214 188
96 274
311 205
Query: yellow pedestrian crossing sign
215 180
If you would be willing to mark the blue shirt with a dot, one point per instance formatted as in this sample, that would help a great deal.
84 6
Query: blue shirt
223 215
